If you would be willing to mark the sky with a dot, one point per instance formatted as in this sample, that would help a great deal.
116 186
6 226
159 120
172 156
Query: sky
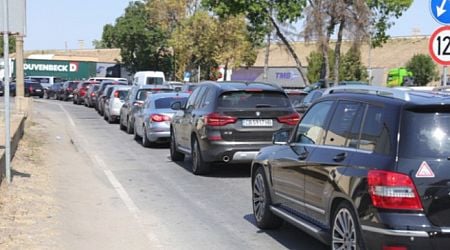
55 24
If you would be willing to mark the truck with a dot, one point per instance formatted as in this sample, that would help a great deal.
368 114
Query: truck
399 77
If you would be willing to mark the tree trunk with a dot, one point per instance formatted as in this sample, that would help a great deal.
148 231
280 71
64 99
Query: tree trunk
225 69
266 59
290 49
337 52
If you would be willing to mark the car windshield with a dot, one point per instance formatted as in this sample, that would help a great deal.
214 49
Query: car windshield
253 99
425 135
164 103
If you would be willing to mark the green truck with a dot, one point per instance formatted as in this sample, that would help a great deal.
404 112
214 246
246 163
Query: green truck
400 77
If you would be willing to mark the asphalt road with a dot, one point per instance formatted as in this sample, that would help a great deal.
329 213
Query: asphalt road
116 194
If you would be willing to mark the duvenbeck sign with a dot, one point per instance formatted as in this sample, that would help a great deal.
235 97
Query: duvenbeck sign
16 17
70 67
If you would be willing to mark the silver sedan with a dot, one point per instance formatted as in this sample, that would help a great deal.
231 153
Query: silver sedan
152 121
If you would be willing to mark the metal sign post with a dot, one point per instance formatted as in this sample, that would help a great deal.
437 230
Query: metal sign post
7 107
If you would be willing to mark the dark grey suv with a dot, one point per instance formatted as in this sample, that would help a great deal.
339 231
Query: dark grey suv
366 168
228 122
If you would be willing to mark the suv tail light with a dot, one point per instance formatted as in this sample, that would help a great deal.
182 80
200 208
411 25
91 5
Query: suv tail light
30 89
116 94
291 119
82 91
92 94
159 118
217 120
391 190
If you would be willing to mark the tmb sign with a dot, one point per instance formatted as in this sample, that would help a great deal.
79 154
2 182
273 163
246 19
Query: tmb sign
439 45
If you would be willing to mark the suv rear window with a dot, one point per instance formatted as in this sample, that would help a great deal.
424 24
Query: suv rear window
36 85
425 135
154 81
254 99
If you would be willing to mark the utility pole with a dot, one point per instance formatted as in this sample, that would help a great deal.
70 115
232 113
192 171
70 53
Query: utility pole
20 89
7 106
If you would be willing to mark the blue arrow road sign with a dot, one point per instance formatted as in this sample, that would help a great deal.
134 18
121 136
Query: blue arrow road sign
440 10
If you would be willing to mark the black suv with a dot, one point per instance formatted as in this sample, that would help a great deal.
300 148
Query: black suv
366 168
228 122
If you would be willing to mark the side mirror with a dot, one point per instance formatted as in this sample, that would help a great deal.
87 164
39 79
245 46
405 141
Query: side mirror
176 106
280 137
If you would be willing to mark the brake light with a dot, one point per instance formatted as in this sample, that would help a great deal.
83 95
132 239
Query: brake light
291 119
391 190
92 94
30 89
395 248
216 120
159 118
116 94
82 91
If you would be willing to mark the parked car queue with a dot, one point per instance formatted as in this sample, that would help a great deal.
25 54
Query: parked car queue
349 171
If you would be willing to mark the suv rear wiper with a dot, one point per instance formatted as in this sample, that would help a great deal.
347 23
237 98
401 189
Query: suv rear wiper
264 106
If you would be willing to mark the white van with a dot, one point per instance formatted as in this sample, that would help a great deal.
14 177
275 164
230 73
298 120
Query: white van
149 78
45 81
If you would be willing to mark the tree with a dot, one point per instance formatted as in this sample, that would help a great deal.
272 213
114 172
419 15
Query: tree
423 68
143 46
315 63
263 17
12 45
351 68
206 41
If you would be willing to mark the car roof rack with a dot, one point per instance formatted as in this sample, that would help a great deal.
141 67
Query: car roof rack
401 94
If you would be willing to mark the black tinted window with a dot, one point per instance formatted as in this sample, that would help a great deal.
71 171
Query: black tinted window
375 135
256 99
36 85
341 123
164 103
311 130
425 135
154 80
122 94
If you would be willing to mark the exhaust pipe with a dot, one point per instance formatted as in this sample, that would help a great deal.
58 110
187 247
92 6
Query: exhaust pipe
226 159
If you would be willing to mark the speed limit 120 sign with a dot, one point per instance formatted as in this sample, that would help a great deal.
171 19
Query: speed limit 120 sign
439 45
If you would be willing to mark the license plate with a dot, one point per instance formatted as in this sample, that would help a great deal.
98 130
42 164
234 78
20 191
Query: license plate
257 123
38 90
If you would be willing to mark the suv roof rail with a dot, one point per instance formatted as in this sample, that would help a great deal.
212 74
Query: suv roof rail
401 94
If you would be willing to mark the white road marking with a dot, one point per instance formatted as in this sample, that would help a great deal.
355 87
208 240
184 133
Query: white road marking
120 190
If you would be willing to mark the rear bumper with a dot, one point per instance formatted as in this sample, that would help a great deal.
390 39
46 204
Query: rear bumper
377 238
236 152
162 136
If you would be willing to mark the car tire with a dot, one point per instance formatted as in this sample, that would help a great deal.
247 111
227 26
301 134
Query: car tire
174 154
199 166
135 135
264 218
348 234
130 129
145 141
74 100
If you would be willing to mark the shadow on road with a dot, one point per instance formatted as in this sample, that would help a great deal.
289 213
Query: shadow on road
19 174
219 170
289 236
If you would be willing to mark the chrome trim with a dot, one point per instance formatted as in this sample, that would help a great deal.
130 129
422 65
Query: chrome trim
334 147
303 204
294 220
445 230
392 232
401 94
244 155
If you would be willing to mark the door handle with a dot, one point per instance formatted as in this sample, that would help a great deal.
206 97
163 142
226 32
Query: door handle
340 157
303 156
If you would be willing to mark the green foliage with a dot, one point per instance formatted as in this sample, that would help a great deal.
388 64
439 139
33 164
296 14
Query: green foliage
12 45
315 65
205 41
143 46
351 68
383 14
423 68
257 12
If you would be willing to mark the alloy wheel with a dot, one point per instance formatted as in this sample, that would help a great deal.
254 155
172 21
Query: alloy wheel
259 197
344 232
